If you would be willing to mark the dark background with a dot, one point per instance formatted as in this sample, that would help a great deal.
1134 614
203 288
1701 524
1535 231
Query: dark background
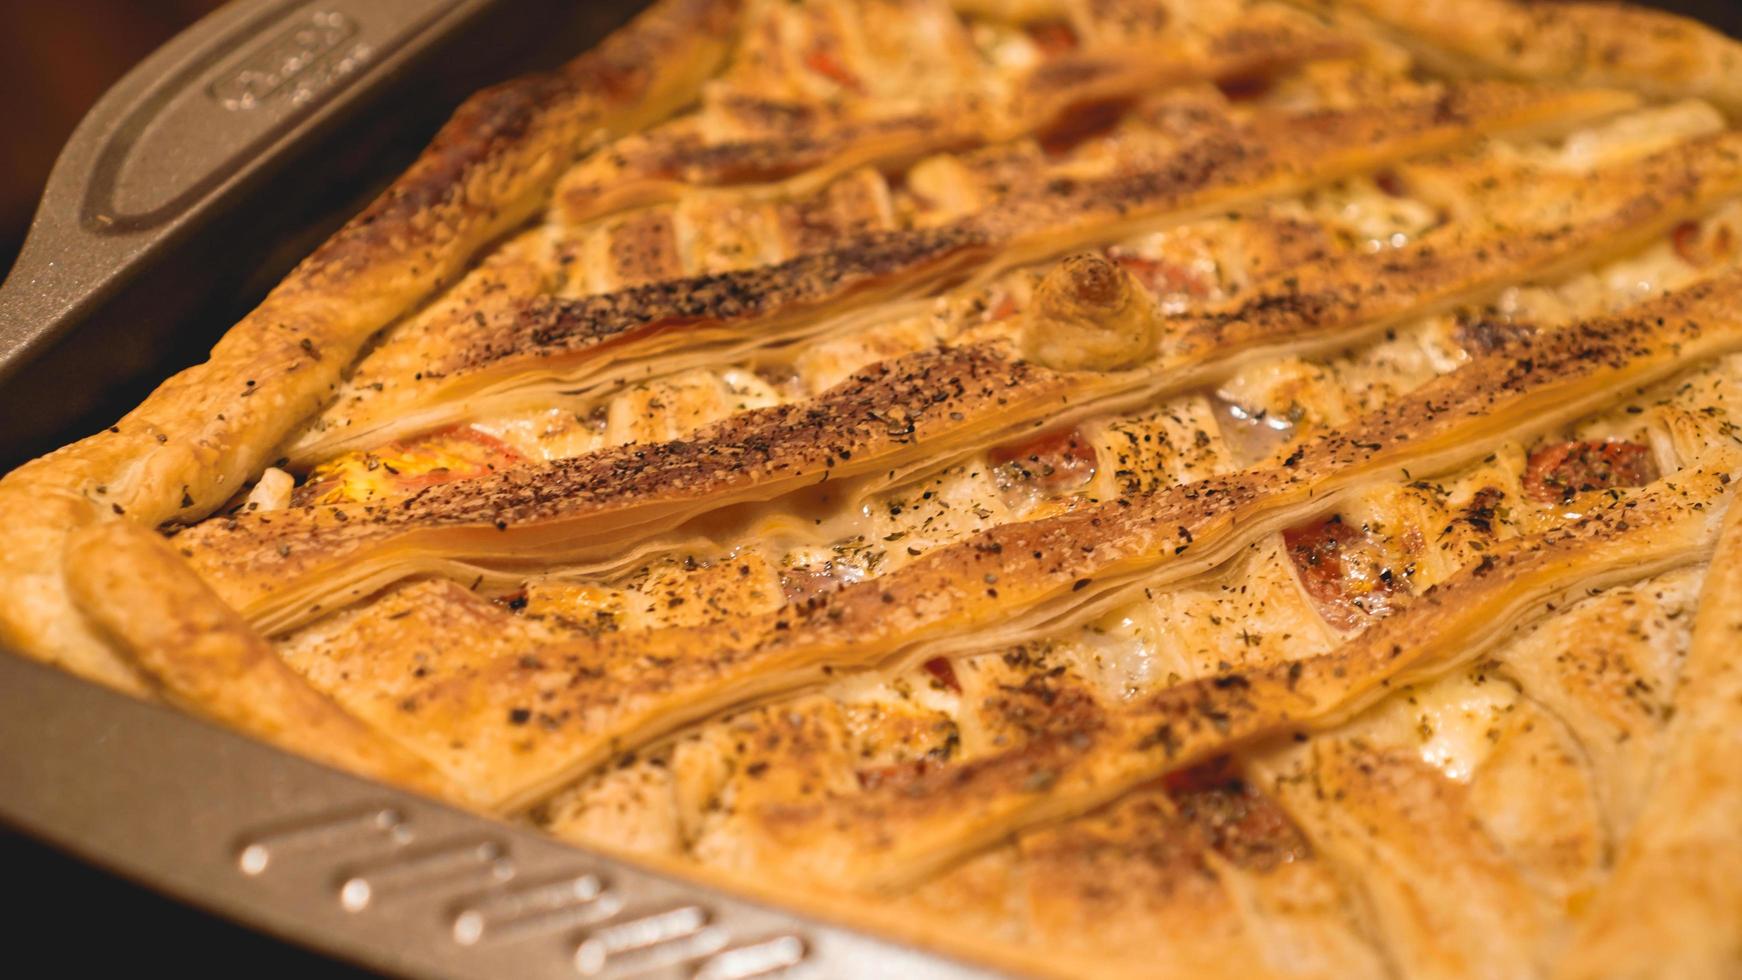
56 58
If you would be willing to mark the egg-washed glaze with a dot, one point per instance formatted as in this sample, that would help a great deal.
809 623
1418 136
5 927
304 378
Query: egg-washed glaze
1105 487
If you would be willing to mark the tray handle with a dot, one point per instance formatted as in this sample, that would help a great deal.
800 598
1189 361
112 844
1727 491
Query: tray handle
186 131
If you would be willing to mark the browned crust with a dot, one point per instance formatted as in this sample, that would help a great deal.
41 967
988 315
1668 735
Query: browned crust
1670 907
1559 373
202 433
600 695
1633 203
603 500
1081 758
937 397
198 654
1220 165
1150 858
662 165
1587 43
1277 153
1443 896
554 328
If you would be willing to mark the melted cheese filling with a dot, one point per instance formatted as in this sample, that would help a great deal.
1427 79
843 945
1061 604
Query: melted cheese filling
1198 262
1255 609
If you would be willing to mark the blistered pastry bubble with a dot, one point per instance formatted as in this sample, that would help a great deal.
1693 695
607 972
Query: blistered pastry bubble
1089 315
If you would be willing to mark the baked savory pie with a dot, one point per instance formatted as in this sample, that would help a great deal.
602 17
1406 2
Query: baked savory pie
1162 487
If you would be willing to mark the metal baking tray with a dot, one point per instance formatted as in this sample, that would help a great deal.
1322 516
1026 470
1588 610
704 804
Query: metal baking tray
190 188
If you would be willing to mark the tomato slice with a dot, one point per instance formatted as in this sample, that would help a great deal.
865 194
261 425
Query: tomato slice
940 668
1080 125
1557 473
1201 778
1241 823
1700 247
1246 88
1004 309
1053 37
823 60
1055 463
1347 575
896 774
1162 277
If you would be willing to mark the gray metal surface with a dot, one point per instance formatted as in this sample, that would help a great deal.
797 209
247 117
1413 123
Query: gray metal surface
386 879
169 144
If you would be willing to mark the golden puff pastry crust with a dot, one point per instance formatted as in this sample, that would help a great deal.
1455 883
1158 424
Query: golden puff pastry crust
1114 487
1584 42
